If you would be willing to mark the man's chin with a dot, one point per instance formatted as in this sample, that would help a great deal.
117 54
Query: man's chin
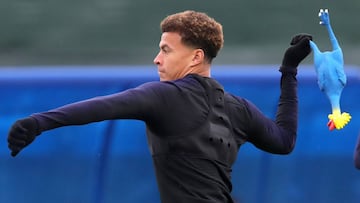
162 76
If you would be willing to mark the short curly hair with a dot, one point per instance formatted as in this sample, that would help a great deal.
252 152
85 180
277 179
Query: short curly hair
197 30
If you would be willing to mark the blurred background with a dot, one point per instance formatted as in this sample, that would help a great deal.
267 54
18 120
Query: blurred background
56 52
127 32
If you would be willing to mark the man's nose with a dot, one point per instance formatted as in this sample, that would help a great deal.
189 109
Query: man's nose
156 59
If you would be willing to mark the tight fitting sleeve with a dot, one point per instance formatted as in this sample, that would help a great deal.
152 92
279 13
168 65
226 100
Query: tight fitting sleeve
287 113
277 136
137 103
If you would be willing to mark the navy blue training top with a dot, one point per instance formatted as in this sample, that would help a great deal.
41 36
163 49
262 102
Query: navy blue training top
194 130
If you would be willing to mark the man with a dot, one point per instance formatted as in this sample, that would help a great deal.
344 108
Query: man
357 154
194 128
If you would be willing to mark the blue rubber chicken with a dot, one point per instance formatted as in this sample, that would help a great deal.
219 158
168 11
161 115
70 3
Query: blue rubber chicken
329 67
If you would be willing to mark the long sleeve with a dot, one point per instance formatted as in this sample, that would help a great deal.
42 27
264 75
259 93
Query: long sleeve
277 136
137 103
287 113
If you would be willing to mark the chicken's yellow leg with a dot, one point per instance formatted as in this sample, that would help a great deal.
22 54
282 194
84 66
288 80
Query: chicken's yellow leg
337 119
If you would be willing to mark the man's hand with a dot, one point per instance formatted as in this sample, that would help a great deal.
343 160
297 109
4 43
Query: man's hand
21 134
299 49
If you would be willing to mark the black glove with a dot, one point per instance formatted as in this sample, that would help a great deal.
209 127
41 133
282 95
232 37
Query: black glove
21 134
299 49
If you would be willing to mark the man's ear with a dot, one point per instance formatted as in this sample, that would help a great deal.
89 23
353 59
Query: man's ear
198 57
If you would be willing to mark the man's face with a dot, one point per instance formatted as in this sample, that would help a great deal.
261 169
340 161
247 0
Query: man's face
174 58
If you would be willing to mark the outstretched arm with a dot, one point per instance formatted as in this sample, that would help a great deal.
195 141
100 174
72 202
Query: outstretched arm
130 104
280 136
